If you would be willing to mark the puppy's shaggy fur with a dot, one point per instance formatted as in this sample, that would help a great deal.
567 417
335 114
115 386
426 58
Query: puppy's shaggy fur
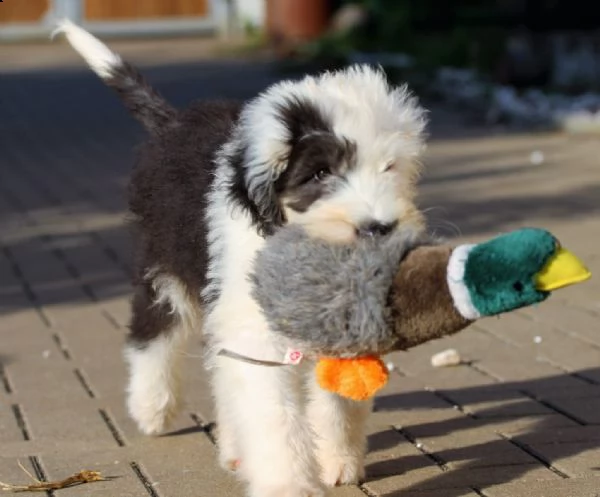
335 153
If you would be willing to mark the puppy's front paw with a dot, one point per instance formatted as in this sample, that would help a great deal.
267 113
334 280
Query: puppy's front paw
342 470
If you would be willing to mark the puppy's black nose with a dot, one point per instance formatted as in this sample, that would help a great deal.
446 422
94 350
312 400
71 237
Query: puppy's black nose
375 229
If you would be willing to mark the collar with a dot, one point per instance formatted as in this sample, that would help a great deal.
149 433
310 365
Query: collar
292 357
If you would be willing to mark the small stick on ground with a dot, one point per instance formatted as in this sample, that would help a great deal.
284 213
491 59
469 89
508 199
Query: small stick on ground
80 478
28 473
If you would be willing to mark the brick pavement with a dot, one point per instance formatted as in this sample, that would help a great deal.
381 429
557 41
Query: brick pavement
522 418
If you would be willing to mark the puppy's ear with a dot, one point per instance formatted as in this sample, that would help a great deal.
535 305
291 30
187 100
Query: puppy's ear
252 188
261 184
294 118
270 129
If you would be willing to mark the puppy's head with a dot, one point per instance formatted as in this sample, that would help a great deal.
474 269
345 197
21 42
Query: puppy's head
337 154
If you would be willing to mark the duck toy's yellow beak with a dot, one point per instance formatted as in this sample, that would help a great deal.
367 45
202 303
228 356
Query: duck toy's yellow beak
562 269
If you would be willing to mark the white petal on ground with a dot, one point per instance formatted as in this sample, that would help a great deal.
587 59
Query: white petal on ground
447 358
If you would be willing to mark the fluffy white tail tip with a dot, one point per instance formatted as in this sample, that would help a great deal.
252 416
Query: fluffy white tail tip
97 55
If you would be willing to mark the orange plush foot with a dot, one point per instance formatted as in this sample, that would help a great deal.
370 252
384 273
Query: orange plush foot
356 379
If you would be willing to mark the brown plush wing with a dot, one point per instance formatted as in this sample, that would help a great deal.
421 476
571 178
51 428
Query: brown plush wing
420 302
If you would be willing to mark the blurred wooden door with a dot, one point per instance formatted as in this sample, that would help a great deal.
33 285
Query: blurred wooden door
22 10
112 10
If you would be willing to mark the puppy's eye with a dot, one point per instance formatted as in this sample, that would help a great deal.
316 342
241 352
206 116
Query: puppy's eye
389 166
321 174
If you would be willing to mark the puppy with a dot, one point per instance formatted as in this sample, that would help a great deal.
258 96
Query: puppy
337 154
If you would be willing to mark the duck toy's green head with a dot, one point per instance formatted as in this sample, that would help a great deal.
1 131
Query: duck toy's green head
510 271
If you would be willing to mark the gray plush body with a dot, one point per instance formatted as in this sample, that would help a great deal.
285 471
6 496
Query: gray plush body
331 299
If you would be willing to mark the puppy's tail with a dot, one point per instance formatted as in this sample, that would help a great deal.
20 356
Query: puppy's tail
144 103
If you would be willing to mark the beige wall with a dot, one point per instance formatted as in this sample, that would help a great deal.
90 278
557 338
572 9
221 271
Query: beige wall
106 10
22 10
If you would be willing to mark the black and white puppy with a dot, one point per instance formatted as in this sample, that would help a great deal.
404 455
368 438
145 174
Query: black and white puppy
338 154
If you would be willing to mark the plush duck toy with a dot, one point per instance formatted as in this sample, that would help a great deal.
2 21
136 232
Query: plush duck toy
346 305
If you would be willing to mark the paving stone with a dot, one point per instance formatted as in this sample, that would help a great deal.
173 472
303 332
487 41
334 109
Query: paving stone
56 421
68 315
12 474
91 373
472 345
411 418
476 343
119 309
198 393
13 298
570 319
347 492
561 435
114 465
494 357
10 282
9 428
503 407
409 401
406 481
450 431
53 378
404 400
191 467
116 409
563 387
23 315
463 376
39 266
529 424
517 366
557 346
450 492
488 454
428 479
592 374
580 487
83 347
577 460
495 392
390 454
514 327
586 410
52 297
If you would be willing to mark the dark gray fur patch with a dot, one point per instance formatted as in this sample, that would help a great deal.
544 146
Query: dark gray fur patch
331 299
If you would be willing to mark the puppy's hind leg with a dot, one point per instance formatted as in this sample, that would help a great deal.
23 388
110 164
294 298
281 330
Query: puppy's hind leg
160 327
